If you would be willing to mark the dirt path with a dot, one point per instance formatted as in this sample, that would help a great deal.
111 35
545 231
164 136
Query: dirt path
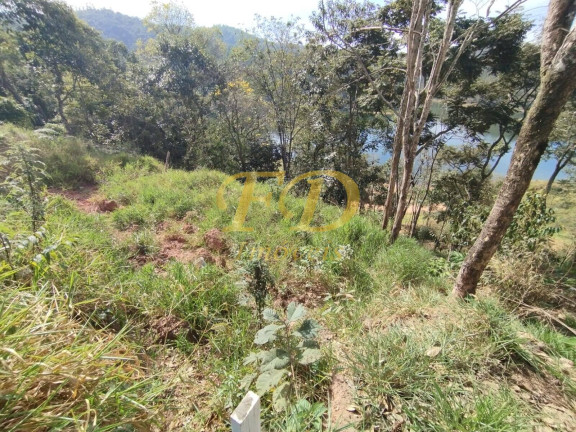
82 197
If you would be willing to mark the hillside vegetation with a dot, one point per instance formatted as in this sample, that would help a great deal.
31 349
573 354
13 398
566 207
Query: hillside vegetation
141 291
131 309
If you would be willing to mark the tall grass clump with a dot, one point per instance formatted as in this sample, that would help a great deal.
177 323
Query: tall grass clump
405 262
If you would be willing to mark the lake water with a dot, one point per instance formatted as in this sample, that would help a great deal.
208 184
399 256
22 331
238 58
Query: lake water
543 172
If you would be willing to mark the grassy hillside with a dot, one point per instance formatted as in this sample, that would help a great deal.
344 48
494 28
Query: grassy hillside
132 309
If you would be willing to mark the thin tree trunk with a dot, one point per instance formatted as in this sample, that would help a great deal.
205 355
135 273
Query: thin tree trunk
389 204
420 204
412 137
558 81
557 169
407 104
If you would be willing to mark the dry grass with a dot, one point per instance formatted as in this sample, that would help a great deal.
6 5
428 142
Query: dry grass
56 373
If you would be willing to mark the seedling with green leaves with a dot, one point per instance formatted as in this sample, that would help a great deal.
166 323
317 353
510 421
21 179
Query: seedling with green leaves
293 347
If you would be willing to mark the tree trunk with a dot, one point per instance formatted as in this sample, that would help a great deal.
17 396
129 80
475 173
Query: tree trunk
404 190
557 169
415 119
389 204
59 94
558 81
420 204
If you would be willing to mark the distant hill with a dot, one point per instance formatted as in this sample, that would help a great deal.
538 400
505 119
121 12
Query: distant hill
116 26
233 36
127 29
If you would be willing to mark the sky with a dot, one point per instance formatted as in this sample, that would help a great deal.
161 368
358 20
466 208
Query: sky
240 13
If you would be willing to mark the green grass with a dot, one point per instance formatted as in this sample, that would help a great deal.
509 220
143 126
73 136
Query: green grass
81 346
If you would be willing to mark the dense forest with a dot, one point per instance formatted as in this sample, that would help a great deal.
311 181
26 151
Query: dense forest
116 132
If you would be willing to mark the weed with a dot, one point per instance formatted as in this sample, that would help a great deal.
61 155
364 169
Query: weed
259 283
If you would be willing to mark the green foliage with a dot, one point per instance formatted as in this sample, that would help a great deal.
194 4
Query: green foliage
442 267
144 242
466 223
292 339
13 113
532 224
25 183
69 162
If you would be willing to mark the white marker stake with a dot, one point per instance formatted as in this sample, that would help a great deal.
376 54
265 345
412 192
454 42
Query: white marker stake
246 416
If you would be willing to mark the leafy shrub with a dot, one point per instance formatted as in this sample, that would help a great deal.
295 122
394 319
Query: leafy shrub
532 224
260 281
69 162
424 233
12 112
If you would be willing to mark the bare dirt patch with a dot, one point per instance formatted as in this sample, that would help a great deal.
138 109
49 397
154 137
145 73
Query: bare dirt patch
307 292
82 197
546 394
215 241
342 408
177 242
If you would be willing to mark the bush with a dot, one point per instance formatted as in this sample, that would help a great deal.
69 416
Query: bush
12 112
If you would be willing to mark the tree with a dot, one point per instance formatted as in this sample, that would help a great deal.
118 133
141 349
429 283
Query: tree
169 19
435 48
241 127
558 81
181 74
497 102
562 147
276 71
422 51
52 38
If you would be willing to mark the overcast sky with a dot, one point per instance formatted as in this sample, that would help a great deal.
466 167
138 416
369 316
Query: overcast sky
240 13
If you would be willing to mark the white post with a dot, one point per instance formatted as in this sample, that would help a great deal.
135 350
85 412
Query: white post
246 416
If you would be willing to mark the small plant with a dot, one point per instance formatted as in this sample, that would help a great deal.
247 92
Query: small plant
259 283
446 267
26 182
15 251
293 346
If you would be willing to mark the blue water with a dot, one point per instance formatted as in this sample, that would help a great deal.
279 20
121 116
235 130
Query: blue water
543 172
